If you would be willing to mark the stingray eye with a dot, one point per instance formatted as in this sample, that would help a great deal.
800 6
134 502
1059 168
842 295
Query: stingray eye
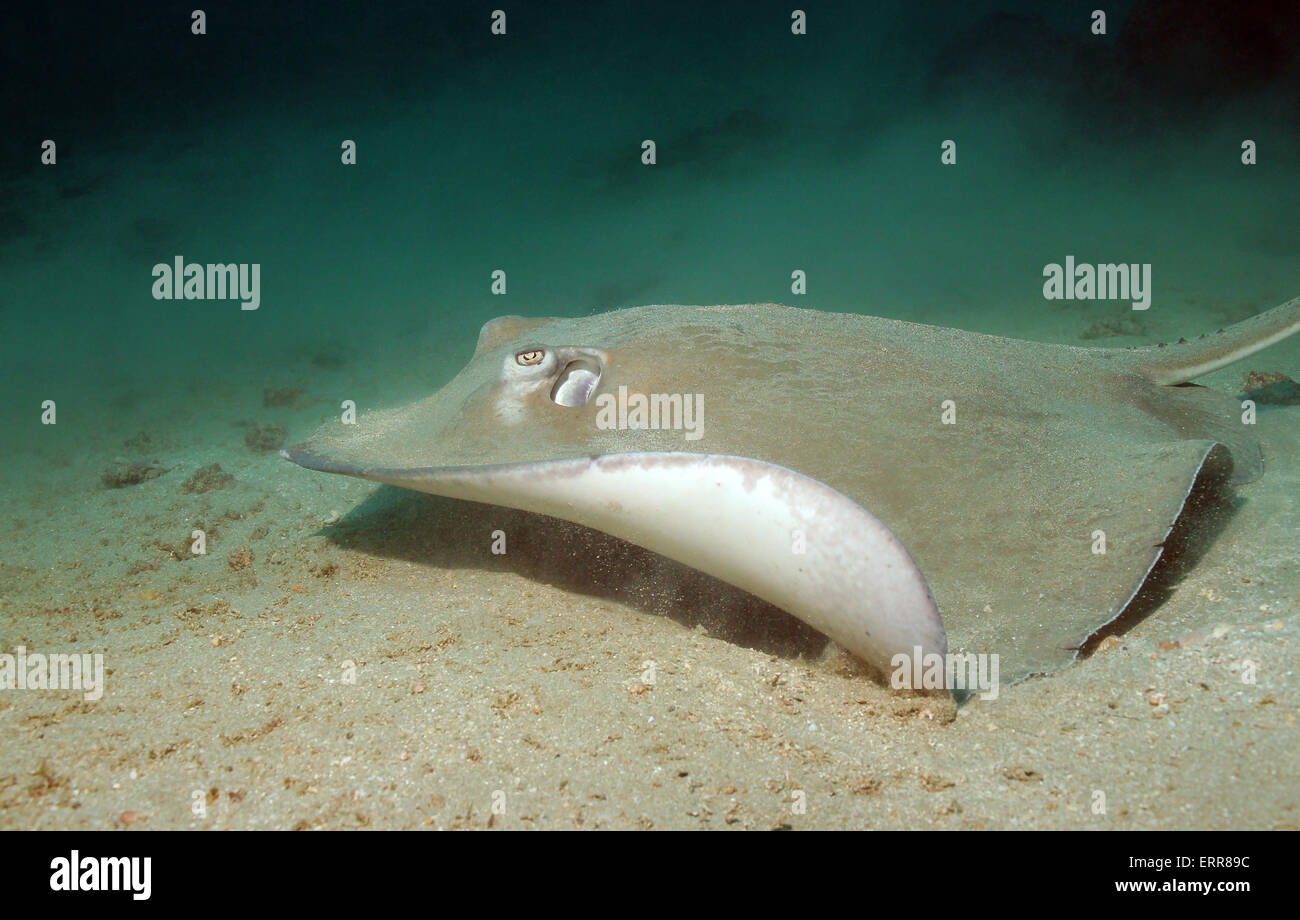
529 358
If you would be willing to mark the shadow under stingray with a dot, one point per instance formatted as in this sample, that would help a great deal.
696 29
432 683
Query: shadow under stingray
1210 505
452 534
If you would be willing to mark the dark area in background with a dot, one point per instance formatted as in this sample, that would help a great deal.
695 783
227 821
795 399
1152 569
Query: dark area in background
76 70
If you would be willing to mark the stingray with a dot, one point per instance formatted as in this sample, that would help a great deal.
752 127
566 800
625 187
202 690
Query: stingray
899 487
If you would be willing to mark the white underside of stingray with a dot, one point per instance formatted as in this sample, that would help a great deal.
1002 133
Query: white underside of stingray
782 536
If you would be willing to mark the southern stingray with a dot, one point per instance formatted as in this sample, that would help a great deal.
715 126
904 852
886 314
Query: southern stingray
892 484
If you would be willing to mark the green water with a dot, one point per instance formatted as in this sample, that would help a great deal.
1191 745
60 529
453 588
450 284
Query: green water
521 153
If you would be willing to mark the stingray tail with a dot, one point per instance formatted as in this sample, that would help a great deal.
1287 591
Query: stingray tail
1182 361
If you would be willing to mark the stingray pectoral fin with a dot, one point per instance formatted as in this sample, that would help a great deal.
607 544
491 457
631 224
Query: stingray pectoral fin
782 536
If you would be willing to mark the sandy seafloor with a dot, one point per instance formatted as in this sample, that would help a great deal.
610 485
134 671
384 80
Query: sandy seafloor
521 674
478 673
